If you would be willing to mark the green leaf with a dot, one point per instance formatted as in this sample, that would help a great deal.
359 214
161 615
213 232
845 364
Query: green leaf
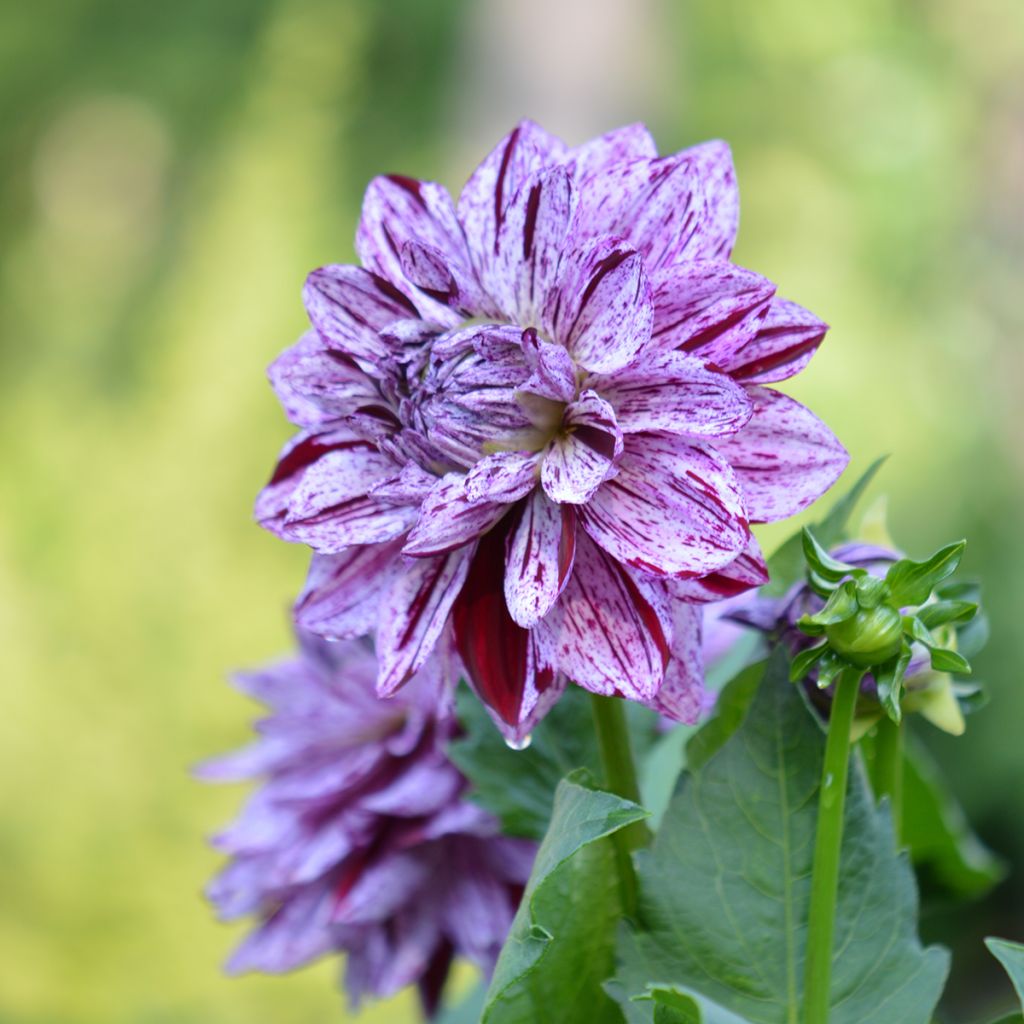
871 591
840 606
889 679
941 612
730 710
805 661
786 566
724 890
911 583
561 946
1011 956
822 564
518 786
938 833
945 660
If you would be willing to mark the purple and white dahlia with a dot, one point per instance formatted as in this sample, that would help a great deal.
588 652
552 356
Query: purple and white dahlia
360 839
538 418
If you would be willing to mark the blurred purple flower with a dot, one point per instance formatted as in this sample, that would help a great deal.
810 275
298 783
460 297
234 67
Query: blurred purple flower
539 415
360 840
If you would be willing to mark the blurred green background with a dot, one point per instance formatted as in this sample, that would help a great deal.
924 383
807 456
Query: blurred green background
169 174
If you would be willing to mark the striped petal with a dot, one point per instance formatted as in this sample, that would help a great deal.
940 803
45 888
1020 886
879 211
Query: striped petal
349 306
682 695
539 558
675 392
710 308
399 210
484 200
785 458
316 384
584 453
331 507
785 341
619 146
342 593
601 309
413 613
673 507
746 571
501 658
529 244
553 373
609 636
503 476
448 518
674 208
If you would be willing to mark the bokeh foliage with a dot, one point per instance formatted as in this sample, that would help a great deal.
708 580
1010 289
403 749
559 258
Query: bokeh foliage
169 172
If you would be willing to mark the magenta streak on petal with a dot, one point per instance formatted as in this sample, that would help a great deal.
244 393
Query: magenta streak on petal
499 184
601 271
307 451
777 359
411 185
532 206
600 441
714 330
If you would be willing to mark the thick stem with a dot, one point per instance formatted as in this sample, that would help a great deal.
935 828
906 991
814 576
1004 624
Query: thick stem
827 845
888 769
620 778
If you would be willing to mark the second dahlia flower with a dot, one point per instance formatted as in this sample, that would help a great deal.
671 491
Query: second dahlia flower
360 839
537 421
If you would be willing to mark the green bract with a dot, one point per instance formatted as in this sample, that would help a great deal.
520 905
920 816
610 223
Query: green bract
869 637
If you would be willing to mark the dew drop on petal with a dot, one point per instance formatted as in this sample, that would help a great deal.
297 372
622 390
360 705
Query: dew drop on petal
518 744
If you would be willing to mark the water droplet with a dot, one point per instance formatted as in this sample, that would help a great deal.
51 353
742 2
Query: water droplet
518 744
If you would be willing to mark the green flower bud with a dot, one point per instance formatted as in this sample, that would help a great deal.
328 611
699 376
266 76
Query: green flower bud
869 637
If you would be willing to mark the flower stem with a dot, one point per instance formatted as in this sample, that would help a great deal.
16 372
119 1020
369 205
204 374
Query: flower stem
827 845
888 769
620 778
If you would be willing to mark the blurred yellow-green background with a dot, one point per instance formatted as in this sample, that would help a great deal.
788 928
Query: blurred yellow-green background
168 174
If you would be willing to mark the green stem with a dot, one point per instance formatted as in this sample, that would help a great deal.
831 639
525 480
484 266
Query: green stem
620 778
827 845
888 769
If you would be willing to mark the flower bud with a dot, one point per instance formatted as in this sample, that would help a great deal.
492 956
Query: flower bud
869 637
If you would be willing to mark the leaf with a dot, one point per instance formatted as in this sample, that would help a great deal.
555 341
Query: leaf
889 680
786 566
938 833
944 660
822 563
730 709
911 583
840 606
561 945
941 612
805 661
724 890
518 786
1011 956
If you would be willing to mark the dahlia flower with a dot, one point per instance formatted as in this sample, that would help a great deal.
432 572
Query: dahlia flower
539 416
360 839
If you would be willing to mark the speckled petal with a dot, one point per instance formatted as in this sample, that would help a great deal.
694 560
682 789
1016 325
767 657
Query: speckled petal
503 476
745 572
674 392
584 453
682 695
525 151
710 308
539 558
785 458
553 373
341 596
448 518
600 309
608 636
673 208
673 507
785 341
398 210
619 146
349 306
529 245
414 611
